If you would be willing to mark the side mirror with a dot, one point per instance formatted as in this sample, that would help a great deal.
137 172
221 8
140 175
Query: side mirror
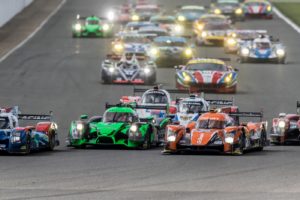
83 117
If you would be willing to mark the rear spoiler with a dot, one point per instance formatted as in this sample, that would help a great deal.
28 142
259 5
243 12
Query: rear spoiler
135 106
248 114
35 117
220 102
79 17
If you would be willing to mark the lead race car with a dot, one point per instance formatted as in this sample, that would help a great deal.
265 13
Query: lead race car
92 26
203 74
286 128
218 130
120 125
262 49
130 68
23 140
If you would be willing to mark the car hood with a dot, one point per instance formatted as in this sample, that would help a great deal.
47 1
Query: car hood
109 128
203 136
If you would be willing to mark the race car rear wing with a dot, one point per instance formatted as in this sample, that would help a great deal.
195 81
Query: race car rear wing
35 117
136 106
247 115
220 102
79 17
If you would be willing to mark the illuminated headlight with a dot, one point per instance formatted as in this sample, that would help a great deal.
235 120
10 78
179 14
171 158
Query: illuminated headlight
111 69
188 52
118 47
135 18
154 51
79 127
171 138
217 11
239 11
228 78
229 140
200 26
181 18
280 52
111 15
269 8
77 27
133 128
106 27
281 124
178 28
147 70
231 41
16 137
186 77
204 34
245 51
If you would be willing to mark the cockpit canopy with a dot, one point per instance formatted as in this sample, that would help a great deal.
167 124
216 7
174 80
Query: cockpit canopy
119 117
155 97
191 107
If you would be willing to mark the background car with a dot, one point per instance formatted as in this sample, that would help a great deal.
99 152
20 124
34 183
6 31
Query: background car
169 23
145 11
92 26
207 19
258 9
202 74
188 14
232 8
130 68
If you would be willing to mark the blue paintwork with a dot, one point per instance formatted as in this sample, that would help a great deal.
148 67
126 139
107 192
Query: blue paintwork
260 55
170 38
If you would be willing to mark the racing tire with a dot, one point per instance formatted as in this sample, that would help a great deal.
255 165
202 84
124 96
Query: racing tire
52 142
281 61
262 141
147 142
28 144
242 141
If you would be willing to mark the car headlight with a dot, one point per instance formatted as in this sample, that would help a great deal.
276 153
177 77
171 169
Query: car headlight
77 27
228 78
106 27
111 16
229 139
118 47
135 18
16 137
200 26
178 28
245 51
269 8
204 34
111 69
188 52
181 18
134 128
280 52
231 41
239 11
186 77
79 127
281 124
171 136
147 70
217 11
154 51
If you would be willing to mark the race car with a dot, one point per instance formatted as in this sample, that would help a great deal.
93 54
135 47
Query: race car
188 14
258 9
262 49
153 32
120 125
92 26
286 128
190 108
130 68
218 130
213 34
234 41
168 51
132 42
203 74
169 23
145 12
209 18
16 139
231 8
133 27
121 14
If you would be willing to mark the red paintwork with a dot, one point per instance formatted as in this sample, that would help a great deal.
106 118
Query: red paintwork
43 127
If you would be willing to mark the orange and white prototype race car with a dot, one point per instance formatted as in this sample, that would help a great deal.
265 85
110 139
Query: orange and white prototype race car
218 130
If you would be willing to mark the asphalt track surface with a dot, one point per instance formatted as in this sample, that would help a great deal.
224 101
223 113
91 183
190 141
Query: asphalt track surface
55 72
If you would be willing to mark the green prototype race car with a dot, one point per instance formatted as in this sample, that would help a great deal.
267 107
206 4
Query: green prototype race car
92 26
120 125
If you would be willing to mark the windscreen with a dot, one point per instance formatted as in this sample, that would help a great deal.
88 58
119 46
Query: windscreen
92 22
121 117
262 45
211 124
4 123
206 67
191 107
217 27
155 97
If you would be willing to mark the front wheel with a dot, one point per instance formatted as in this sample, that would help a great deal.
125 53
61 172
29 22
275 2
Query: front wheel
147 142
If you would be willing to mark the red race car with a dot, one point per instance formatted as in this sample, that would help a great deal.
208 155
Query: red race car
286 128
218 130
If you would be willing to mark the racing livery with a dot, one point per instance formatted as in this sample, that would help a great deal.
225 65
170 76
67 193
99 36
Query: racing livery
212 75
189 13
262 49
120 125
258 8
23 140
168 51
130 68
145 12
219 131
286 128
92 26
168 23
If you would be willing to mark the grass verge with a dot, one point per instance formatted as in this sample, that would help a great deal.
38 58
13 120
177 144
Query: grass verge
291 10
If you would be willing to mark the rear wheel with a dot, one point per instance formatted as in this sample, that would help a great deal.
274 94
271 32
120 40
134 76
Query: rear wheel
52 141
262 141
28 143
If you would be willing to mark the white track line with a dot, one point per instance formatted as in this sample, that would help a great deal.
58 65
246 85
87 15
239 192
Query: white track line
287 20
33 33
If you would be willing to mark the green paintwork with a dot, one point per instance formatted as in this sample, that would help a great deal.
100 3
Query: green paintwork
115 133
92 30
